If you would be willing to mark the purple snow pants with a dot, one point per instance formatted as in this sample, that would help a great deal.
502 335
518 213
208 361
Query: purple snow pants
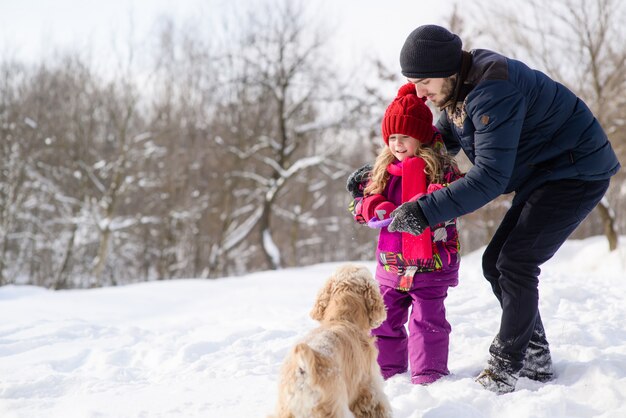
426 345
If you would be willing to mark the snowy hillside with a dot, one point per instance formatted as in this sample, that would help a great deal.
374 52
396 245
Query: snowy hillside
213 348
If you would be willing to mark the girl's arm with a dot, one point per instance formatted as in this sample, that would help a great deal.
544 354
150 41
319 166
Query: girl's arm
376 207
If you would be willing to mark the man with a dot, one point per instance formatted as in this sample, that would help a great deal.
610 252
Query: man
524 133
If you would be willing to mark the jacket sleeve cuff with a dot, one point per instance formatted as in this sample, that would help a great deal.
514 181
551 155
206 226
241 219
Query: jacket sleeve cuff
369 205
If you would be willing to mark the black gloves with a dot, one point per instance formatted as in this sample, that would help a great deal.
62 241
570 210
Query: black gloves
410 218
358 180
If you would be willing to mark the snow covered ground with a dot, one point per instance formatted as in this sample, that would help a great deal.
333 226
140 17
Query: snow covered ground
213 348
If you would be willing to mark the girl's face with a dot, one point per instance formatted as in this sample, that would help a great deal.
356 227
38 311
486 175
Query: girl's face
403 146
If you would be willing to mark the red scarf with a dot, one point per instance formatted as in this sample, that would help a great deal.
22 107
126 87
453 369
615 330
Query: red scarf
414 184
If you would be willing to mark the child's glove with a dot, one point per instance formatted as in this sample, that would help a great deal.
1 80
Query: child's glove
410 218
383 210
358 180
356 209
382 215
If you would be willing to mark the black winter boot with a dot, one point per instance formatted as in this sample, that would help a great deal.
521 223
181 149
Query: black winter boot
498 381
538 360
501 373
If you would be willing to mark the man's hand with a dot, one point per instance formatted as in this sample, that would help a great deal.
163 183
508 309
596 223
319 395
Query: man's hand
410 218
358 180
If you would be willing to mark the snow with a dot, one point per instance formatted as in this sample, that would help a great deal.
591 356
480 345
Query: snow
213 348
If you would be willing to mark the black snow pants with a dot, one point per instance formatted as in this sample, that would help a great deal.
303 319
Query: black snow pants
529 235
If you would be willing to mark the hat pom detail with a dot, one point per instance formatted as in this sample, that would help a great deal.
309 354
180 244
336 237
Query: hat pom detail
408 88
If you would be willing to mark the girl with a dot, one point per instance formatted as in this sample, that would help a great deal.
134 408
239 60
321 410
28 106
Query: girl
414 272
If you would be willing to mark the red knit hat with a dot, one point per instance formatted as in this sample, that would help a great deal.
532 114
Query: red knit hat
408 115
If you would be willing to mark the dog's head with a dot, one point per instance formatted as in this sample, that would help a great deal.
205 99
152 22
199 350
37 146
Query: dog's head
350 294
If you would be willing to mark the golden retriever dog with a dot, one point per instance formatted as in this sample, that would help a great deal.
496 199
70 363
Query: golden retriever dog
333 372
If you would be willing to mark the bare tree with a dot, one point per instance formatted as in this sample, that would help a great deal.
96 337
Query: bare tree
188 185
275 127
13 160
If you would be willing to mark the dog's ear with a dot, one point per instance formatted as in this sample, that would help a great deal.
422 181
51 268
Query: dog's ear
375 306
322 300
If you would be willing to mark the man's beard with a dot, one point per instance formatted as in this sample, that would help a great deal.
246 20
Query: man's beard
447 90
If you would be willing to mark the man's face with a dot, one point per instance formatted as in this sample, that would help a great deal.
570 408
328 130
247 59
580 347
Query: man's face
437 90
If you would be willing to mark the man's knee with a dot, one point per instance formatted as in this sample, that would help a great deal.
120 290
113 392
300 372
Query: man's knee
490 269
519 270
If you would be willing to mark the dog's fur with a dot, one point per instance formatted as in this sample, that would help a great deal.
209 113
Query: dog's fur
333 373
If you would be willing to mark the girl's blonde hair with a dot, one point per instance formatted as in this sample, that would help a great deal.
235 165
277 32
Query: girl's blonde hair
436 163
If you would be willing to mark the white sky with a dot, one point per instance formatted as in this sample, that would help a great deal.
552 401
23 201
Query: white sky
30 29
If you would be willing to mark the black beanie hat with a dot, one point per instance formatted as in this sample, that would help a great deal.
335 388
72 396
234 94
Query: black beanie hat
431 51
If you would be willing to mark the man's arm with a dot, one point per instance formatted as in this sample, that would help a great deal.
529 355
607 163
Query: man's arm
497 110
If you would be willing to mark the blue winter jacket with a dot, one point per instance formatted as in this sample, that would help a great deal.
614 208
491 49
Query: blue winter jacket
520 129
